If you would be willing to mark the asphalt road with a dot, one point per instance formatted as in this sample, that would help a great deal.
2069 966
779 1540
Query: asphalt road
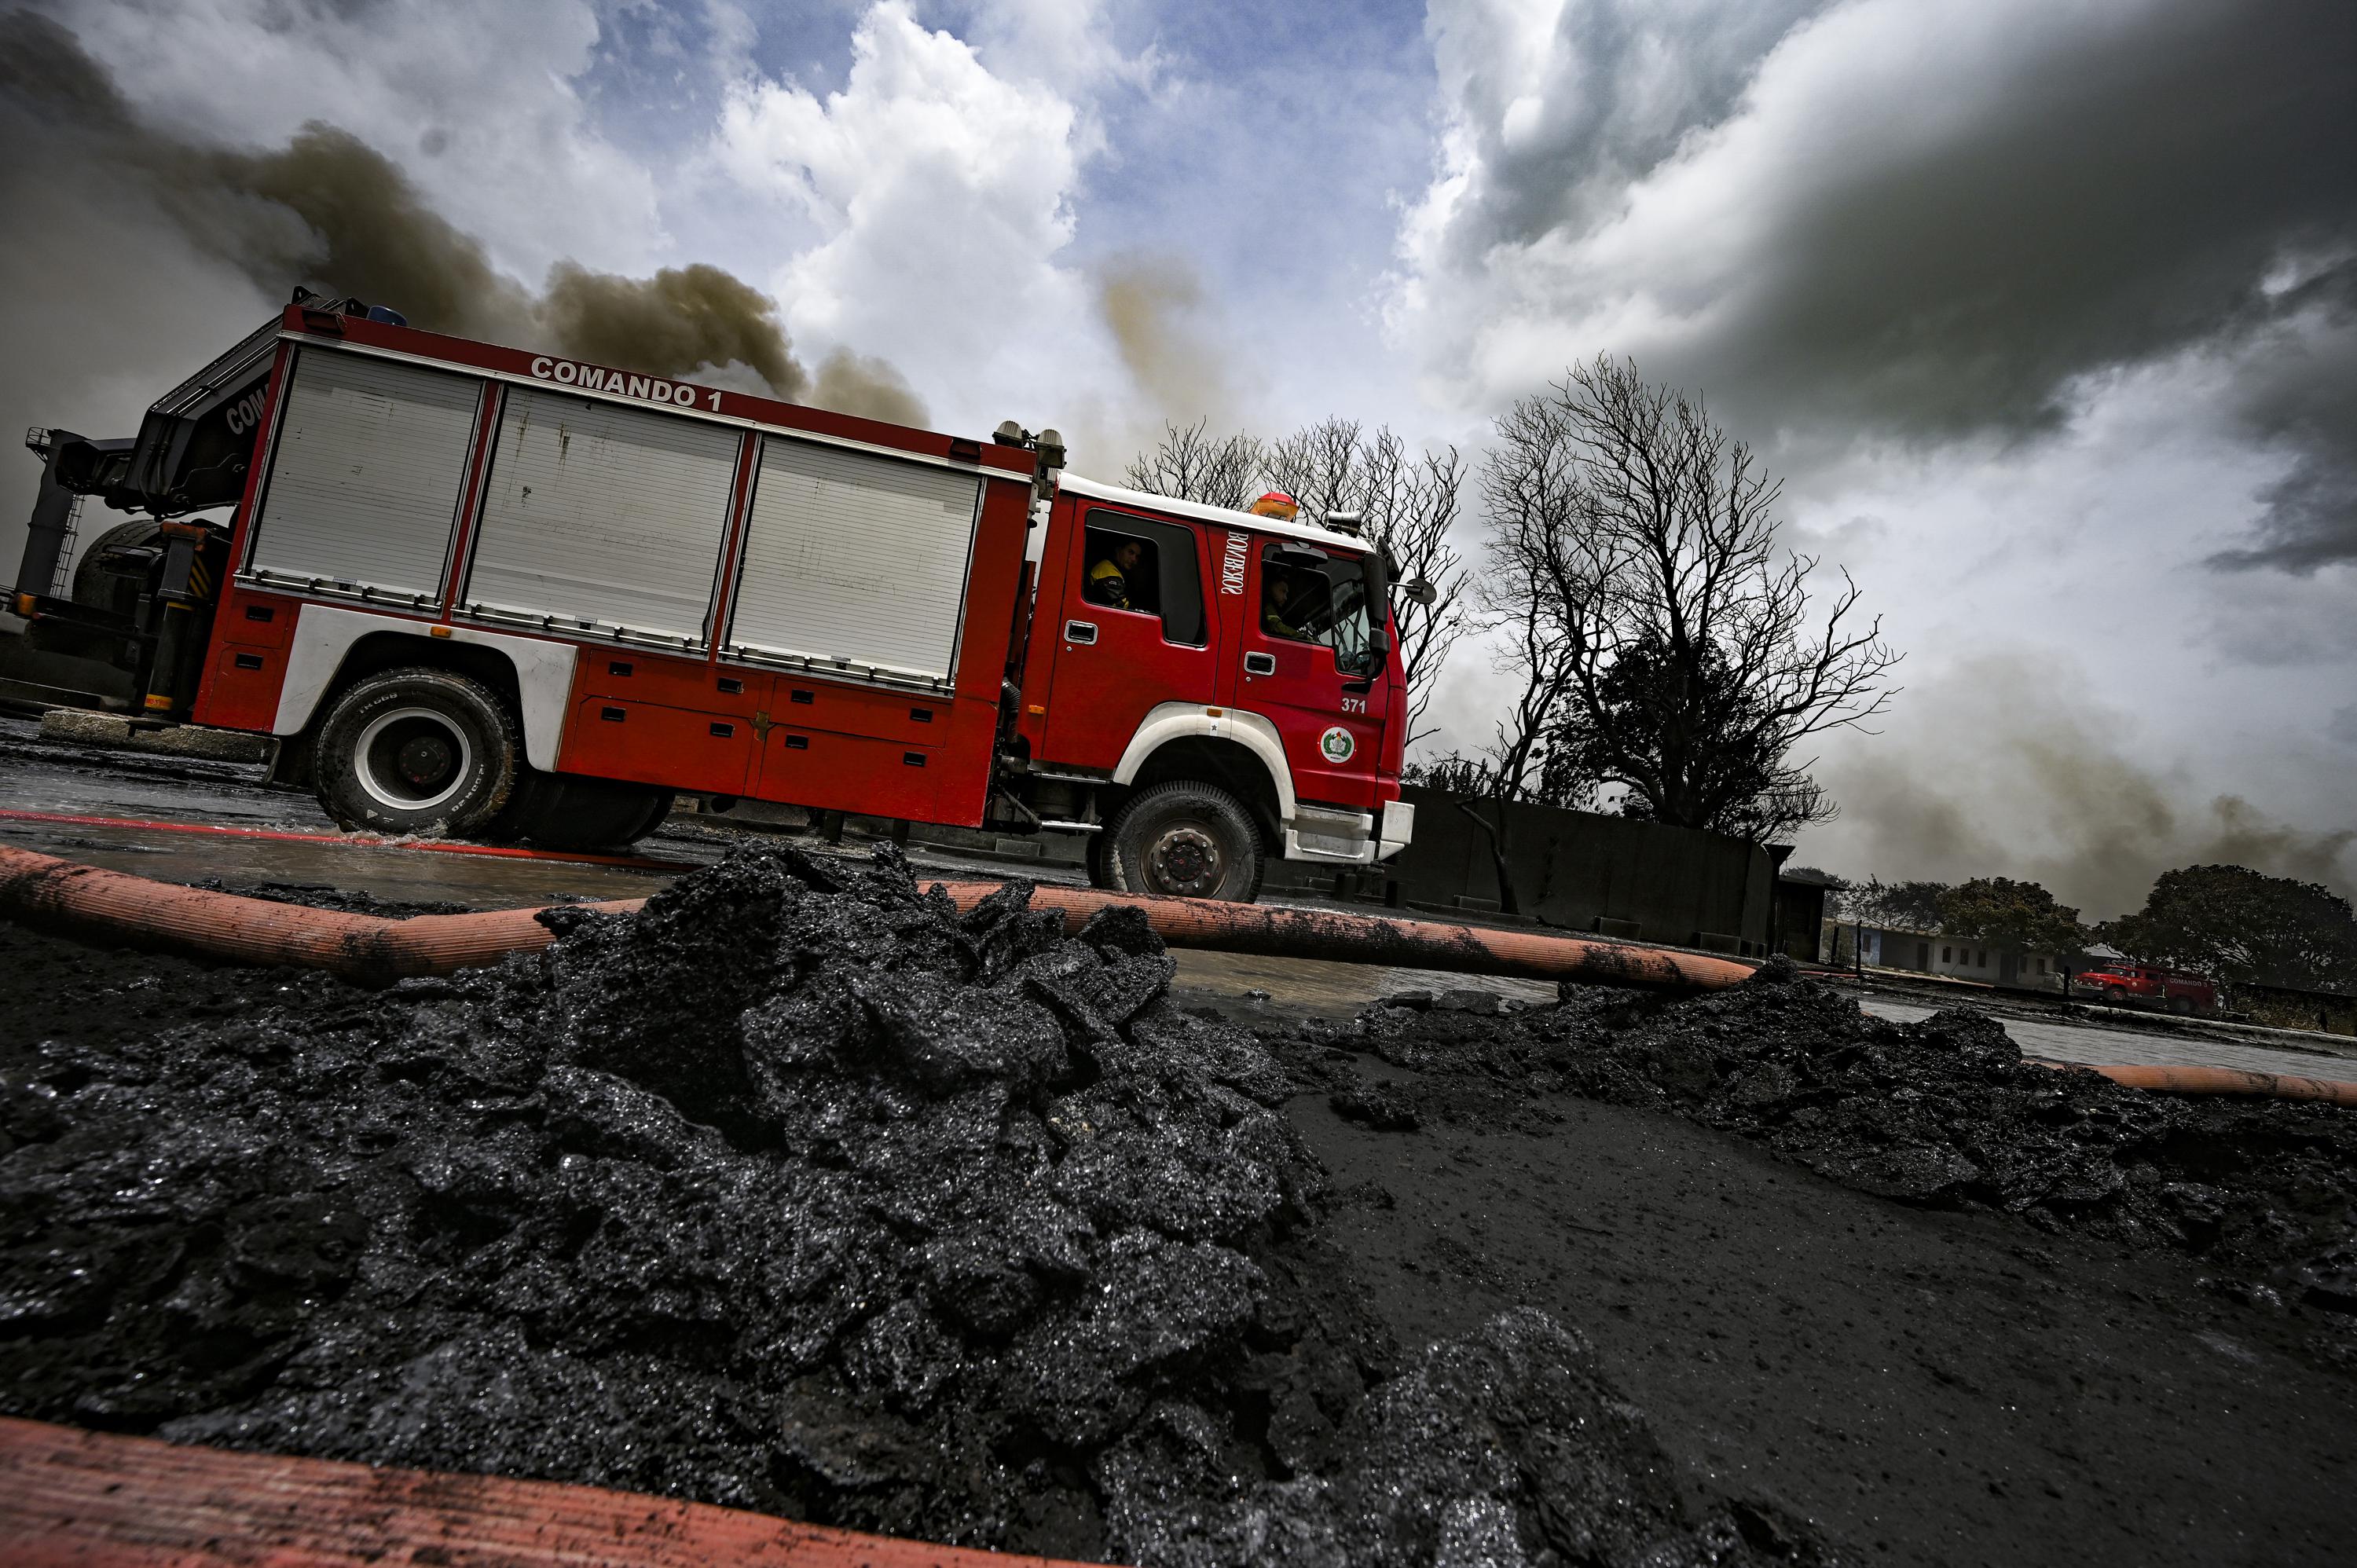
151 801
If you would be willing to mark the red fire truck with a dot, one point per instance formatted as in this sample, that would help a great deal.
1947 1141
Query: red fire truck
478 591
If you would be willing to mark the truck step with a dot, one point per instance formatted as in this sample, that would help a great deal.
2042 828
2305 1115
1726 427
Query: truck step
82 727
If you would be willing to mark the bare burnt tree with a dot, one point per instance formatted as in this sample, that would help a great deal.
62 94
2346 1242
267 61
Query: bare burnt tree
1408 505
1527 483
1321 466
1634 542
1192 465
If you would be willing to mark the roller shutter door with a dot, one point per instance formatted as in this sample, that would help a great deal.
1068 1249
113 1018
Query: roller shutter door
365 474
602 517
855 559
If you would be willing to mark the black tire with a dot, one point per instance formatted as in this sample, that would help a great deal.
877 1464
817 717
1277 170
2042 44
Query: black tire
94 585
1185 840
416 751
1094 857
2182 1006
2116 995
564 811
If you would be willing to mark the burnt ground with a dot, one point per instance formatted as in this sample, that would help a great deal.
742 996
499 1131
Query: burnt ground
834 1204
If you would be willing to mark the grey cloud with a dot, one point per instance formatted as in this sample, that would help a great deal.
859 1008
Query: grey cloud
2299 388
2116 199
1631 79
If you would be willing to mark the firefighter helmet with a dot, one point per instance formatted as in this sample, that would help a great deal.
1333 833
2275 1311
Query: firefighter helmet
1275 504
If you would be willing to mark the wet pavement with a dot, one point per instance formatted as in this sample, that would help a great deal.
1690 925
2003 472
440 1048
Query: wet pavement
161 806
2068 1043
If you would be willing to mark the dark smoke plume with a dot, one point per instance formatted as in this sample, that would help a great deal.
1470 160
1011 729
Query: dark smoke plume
328 211
2019 774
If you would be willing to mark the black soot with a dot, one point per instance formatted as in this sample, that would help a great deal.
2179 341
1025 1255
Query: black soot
798 1191
1944 1113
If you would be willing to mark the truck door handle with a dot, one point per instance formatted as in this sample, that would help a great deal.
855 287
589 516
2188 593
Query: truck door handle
1259 664
1080 631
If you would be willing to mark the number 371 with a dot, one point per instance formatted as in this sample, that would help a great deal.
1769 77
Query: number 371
1354 704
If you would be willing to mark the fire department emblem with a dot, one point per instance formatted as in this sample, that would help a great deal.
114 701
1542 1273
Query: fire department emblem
1338 743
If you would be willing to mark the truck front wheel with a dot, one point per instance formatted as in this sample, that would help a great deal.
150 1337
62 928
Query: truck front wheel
1184 840
408 751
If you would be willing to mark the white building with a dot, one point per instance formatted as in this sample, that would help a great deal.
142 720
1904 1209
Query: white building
1925 952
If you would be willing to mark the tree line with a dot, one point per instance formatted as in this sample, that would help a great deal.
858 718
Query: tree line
1659 642
2230 922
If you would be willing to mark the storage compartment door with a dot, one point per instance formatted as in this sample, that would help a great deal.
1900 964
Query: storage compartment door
602 518
855 561
365 475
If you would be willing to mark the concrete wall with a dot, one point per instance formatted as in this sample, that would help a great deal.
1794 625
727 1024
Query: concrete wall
2284 1007
1585 871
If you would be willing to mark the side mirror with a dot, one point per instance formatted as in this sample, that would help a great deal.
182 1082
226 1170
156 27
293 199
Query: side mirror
1421 590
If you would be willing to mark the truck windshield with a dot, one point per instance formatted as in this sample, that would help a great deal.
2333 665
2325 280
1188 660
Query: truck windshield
1323 598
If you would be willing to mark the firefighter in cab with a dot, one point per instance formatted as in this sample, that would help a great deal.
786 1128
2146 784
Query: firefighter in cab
1108 581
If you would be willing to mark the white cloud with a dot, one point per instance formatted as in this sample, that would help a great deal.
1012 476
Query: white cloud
942 196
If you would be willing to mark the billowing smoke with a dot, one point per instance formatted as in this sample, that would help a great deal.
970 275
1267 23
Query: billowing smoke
866 386
1147 303
671 324
331 212
2014 768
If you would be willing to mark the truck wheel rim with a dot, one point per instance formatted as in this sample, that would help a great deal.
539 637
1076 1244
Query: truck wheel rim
412 760
1185 861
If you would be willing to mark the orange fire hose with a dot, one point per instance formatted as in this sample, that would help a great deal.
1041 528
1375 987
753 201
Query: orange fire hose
80 1500
111 906
2216 1080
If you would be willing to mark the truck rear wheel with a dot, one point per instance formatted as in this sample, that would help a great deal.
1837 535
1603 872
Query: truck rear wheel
564 811
408 751
1184 840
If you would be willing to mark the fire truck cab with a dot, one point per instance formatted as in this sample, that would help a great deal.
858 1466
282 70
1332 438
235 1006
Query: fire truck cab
480 592
1199 686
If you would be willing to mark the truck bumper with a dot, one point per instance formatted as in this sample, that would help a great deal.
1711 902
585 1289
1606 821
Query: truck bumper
1353 838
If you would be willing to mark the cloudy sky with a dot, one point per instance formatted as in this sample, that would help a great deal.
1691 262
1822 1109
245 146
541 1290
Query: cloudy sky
2048 313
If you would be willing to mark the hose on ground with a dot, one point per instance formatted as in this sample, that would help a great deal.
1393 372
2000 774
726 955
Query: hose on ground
112 908
133 911
77 1499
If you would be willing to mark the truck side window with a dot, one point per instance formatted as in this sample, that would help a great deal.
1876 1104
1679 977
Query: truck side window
1121 573
1307 595
1144 564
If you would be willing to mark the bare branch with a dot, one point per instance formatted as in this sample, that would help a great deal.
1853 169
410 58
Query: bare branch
1633 551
